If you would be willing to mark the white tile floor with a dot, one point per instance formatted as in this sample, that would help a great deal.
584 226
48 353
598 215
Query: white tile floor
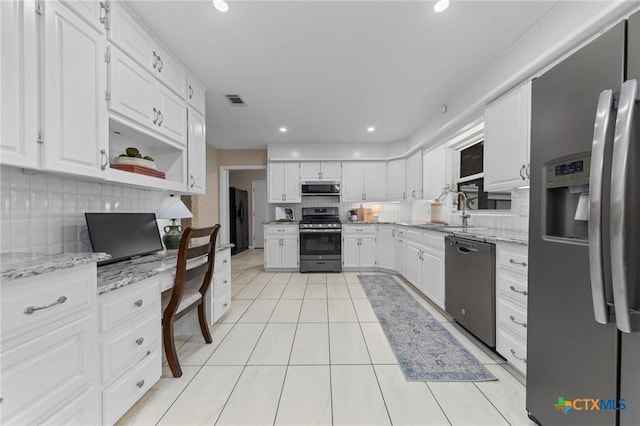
306 349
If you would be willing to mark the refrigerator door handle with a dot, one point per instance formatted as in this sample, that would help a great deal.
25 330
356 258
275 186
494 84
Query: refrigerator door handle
600 131
628 320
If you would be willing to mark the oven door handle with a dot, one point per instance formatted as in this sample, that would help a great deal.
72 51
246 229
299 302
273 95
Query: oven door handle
318 231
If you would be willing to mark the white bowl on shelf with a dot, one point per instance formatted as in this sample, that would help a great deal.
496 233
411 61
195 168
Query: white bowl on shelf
133 161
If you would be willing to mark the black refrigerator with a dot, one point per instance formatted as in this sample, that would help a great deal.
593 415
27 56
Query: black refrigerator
238 219
583 339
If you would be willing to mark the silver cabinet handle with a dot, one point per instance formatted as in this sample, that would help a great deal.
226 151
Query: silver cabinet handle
193 181
104 165
155 114
140 384
226 304
393 233
190 92
156 58
413 194
160 64
104 7
224 261
161 118
528 170
523 292
139 341
513 262
31 309
622 166
522 172
404 195
513 319
225 281
517 357
138 303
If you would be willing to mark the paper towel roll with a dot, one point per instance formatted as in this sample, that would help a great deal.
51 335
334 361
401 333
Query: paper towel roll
582 210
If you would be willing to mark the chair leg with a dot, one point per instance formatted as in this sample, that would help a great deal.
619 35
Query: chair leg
170 348
203 323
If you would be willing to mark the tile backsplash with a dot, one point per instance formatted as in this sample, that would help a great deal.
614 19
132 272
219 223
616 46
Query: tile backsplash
44 213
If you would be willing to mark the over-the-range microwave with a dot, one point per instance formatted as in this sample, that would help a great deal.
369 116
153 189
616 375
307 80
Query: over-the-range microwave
321 188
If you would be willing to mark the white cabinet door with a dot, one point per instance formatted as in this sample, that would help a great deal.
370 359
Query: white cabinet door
414 264
18 84
401 255
172 114
351 251
135 41
196 151
170 72
368 251
331 171
75 81
387 247
290 251
310 171
91 11
132 90
276 182
291 183
375 181
272 252
433 173
195 94
433 277
352 181
396 180
506 136
414 176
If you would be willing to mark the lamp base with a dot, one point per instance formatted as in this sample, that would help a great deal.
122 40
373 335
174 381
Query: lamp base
172 237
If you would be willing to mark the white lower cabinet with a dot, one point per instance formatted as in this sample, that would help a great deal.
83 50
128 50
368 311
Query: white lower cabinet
220 297
425 263
359 246
48 359
281 247
401 250
130 353
511 304
387 247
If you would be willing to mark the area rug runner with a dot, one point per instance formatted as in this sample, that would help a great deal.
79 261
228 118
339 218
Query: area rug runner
425 350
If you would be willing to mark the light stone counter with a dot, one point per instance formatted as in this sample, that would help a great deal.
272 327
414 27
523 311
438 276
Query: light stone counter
22 265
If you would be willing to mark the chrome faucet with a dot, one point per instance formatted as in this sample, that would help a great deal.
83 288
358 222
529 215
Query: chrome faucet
465 216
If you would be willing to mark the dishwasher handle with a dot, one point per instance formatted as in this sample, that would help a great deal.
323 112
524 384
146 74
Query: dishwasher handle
465 250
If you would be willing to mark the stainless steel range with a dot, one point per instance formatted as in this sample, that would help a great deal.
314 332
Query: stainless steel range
320 240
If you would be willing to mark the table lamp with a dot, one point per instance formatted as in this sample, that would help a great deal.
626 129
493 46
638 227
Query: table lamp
172 208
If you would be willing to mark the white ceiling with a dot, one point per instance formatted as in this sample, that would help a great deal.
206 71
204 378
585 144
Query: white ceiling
327 70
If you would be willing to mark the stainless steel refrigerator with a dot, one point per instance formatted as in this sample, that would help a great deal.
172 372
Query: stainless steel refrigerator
583 348
238 219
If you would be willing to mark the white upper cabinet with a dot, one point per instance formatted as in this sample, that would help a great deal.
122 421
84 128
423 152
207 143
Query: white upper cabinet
92 11
196 149
433 173
172 114
284 182
126 32
320 171
506 136
364 181
196 94
396 180
75 80
18 84
414 176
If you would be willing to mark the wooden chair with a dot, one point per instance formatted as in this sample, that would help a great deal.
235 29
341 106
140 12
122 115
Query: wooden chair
179 301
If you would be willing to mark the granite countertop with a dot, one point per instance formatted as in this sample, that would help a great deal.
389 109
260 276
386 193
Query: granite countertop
117 275
23 265
275 222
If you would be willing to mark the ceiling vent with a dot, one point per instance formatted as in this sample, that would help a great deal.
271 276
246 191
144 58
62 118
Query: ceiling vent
235 100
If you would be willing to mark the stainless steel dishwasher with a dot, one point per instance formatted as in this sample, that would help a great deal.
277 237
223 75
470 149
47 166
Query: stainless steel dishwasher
470 286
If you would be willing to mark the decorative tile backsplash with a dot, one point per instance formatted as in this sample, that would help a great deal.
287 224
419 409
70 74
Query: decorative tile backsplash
45 213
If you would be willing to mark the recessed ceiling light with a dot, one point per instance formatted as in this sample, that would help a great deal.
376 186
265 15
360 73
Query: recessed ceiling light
441 5
221 5
283 130
371 129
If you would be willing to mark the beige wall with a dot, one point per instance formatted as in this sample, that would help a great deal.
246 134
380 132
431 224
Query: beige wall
243 157
242 179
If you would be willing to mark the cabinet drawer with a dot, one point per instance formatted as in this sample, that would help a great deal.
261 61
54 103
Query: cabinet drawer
513 258
47 297
41 375
513 318
514 351
120 396
433 241
81 411
414 235
221 306
222 262
123 349
281 230
512 287
221 284
359 230
124 303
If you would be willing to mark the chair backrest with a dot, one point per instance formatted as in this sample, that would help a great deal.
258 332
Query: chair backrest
203 271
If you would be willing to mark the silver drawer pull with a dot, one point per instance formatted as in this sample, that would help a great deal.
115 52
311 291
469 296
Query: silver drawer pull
138 303
225 305
514 262
513 319
523 292
224 261
32 309
517 357
139 340
225 281
140 384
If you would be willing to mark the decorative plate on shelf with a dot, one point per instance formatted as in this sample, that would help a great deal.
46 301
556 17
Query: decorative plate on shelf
133 161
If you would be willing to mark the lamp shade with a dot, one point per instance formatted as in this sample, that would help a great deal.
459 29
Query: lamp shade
173 208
